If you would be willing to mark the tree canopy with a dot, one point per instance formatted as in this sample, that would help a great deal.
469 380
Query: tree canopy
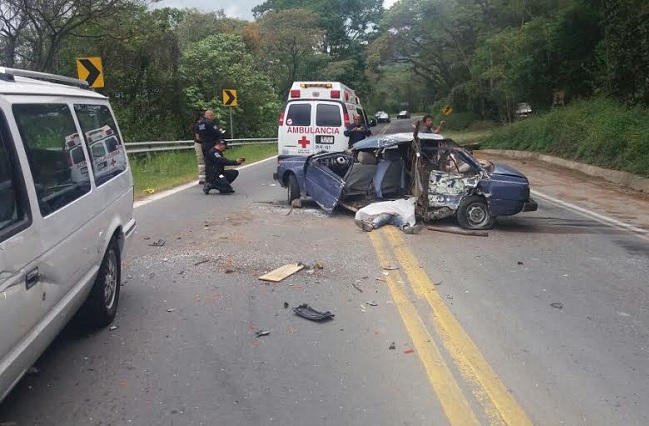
480 56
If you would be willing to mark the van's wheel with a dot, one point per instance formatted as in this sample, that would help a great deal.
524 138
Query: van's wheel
101 306
473 213
293 188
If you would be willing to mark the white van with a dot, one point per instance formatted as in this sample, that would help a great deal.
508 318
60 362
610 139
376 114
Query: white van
315 118
63 224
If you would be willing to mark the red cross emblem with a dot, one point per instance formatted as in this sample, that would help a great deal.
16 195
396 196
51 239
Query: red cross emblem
112 162
303 142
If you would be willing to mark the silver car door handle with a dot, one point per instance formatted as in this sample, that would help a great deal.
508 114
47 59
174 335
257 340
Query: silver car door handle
31 278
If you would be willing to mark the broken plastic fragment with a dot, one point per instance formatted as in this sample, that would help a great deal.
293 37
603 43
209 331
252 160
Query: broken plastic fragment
158 243
306 311
262 333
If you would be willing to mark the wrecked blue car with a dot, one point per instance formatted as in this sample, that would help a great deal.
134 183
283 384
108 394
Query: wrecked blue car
444 177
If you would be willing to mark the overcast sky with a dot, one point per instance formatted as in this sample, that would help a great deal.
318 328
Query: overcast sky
234 9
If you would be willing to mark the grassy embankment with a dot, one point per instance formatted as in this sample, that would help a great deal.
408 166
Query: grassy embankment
600 132
164 170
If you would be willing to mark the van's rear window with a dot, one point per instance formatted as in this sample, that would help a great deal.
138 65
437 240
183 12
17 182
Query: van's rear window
299 115
328 115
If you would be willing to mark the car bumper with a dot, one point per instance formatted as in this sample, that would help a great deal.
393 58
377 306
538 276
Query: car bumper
530 205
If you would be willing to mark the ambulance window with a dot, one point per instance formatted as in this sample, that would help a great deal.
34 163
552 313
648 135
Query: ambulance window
44 129
97 150
112 144
299 115
77 155
328 115
100 132
14 209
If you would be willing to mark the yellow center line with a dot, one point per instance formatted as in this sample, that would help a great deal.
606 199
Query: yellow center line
455 406
457 342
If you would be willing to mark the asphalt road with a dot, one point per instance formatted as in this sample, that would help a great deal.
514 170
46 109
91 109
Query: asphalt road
545 321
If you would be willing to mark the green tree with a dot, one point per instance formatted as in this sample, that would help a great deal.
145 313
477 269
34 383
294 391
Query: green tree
221 62
285 54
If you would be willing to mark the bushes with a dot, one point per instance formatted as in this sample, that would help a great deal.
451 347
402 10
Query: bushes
601 132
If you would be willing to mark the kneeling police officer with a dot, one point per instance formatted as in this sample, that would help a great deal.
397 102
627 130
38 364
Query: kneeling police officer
216 176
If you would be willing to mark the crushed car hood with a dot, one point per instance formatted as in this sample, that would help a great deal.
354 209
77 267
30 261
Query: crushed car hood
505 170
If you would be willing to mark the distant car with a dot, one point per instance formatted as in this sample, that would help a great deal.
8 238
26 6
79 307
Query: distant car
444 177
523 110
403 114
382 117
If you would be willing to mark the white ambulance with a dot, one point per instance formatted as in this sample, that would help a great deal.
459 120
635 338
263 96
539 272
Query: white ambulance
315 118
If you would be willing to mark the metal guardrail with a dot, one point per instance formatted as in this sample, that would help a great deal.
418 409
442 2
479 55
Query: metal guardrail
144 147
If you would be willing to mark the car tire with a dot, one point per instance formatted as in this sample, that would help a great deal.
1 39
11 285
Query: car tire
293 188
100 308
473 213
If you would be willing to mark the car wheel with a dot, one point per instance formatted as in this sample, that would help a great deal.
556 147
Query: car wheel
293 188
473 213
101 306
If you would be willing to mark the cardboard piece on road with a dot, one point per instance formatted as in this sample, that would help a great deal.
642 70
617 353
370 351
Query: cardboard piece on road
282 272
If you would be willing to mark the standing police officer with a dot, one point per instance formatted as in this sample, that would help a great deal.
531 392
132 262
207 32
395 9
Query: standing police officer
209 132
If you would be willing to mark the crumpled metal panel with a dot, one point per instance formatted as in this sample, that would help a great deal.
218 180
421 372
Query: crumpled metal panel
448 189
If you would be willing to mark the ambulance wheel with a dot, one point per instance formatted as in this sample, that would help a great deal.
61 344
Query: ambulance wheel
473 213
293 188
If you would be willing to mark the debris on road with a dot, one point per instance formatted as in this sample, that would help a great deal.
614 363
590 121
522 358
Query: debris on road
319 265
158 243
201 262
390 268
519 263
113 328
357 287
557 305
362 308
449 296
228 266
392 346
282 272
439 283
372 303
170 310
306 311
409 351
459 231
33 371
285 305
262 333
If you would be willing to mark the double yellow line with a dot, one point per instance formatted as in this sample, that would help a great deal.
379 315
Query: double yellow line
489 393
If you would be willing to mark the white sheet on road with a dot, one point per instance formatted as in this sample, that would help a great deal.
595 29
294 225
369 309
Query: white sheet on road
404 208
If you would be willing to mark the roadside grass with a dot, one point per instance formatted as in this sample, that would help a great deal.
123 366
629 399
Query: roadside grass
601 132
465 137
164 170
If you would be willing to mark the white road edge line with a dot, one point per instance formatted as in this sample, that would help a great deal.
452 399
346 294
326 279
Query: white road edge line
165 194
592 215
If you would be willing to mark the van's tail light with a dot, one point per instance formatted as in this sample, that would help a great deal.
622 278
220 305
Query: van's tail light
335 94
281 118
346 119
295 93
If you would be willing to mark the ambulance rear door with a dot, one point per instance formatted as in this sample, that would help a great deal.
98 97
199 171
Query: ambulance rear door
310 126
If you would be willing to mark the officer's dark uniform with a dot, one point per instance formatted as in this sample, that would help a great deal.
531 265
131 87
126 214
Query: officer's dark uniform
356 135
216 175
209 132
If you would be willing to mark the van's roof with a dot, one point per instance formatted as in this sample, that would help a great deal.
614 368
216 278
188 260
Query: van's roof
13 84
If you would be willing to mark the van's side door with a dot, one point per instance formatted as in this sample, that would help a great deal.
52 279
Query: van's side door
64 205
21 291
